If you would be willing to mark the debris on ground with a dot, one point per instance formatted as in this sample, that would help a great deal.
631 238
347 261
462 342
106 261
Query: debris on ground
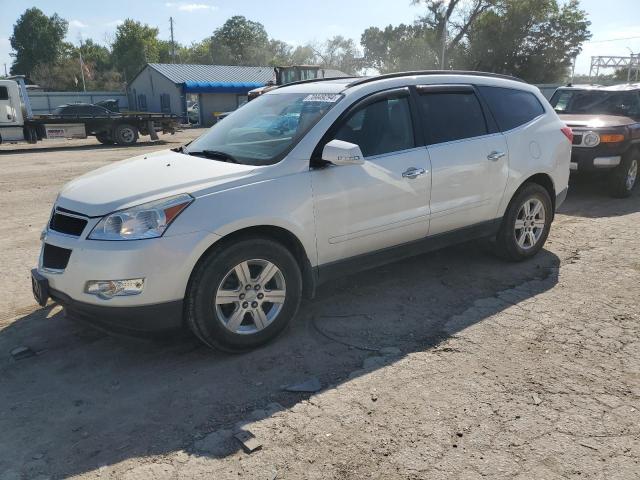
22 352
311 385
248 441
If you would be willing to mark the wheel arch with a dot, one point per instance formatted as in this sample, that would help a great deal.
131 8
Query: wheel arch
544 180
279 234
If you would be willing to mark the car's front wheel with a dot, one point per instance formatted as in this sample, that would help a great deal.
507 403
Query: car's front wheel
624 178
243 295
526 223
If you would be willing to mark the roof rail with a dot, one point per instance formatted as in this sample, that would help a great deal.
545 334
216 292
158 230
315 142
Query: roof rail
434 72
313 80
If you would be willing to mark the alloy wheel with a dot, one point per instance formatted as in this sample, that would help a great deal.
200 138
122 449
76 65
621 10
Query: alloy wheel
530 223
632 174
250 296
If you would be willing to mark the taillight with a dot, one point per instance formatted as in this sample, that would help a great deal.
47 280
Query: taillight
568 133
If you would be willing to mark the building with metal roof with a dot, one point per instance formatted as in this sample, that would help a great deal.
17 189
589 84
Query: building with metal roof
198 92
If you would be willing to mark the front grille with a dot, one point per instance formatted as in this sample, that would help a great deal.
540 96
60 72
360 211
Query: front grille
66 224
577 138
55 257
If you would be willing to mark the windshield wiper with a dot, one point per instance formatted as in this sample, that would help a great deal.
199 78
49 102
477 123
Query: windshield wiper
217 154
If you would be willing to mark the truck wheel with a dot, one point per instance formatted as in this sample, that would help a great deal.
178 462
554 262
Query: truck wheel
526 224
105 138
244 295
624 178
125 134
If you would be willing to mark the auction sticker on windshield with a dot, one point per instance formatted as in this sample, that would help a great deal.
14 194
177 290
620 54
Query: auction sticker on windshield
322 97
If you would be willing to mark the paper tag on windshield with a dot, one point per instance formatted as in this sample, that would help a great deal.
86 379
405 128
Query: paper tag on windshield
322 97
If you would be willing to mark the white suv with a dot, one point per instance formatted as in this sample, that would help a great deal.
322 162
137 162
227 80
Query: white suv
308 181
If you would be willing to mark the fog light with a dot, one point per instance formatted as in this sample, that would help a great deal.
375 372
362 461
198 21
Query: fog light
107 289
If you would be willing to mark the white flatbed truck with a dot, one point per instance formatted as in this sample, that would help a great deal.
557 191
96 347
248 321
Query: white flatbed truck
18 124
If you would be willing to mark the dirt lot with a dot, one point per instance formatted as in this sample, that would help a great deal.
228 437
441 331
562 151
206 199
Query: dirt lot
449 365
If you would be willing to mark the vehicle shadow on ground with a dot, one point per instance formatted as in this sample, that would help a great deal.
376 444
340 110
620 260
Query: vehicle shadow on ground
94 146
589 197
86 399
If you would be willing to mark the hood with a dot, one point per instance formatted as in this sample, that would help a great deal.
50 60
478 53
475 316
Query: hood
596 121
146 178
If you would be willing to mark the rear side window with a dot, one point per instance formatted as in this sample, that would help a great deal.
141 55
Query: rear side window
379 128
452 116
4 93
511 108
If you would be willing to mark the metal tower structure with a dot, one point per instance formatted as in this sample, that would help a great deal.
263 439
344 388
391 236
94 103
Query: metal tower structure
631 62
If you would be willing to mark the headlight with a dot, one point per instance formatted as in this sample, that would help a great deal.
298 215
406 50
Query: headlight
149 220
590 139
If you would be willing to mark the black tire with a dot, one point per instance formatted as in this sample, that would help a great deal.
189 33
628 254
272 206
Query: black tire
507 245
105 138
125 134
201 312
620 183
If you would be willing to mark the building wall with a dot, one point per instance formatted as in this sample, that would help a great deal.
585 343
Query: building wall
212 103
46 102
152 85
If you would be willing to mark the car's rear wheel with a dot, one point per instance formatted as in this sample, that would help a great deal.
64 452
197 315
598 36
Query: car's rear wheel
526 224
625 177
243 295
125 134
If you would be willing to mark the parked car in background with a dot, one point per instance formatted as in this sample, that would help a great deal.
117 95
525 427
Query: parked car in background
606 128
304 183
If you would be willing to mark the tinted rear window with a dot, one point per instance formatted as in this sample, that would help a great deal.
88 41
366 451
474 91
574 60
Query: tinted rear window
4 94
452 116
511 108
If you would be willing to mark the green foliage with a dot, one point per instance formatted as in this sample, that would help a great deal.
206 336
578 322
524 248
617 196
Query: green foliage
240 42
36 39
401 48
532 39
135 45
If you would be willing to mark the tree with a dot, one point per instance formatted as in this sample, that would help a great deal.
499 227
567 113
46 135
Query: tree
457 16
405 47
533 39
240 42
36 39
339 53
134 46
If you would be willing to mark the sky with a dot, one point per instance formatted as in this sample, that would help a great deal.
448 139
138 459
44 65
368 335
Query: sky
614 22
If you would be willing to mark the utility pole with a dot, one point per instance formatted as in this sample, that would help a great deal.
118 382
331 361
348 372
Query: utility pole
173 43
444 41
5 71
84 87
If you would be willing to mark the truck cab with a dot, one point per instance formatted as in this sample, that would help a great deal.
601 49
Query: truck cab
286 75
11 116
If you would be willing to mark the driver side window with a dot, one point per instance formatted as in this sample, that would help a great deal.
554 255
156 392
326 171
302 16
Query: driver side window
381 127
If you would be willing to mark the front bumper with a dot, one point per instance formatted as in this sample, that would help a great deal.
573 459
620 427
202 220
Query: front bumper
599 159
158 318
165 264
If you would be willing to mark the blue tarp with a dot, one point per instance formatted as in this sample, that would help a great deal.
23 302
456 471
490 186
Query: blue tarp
220 87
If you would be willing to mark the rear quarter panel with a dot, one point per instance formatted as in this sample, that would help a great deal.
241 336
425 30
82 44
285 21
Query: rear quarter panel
537 147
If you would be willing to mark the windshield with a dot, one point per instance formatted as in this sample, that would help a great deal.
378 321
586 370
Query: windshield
596 102
264 130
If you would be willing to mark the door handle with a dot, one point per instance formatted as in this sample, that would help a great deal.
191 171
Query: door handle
413 172
495 156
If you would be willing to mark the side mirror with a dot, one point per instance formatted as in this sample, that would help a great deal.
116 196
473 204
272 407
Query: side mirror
342 153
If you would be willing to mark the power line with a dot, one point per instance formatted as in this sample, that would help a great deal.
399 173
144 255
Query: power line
613 39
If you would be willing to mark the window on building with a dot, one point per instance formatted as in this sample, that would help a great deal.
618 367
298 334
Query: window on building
165 103
142 102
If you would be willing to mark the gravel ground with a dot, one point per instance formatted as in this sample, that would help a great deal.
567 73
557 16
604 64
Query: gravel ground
448 365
